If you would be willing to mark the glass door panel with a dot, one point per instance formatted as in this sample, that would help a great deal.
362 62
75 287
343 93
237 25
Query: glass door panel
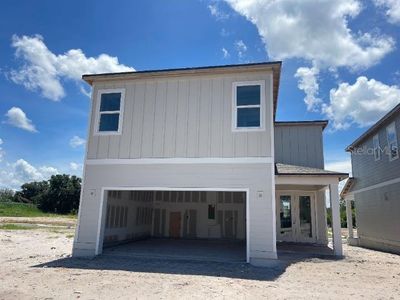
285 217
305 216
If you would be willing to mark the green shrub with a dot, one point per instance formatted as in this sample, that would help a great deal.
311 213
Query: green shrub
6 195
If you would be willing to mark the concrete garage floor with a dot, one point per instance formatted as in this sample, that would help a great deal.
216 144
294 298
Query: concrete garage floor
209 250
198 250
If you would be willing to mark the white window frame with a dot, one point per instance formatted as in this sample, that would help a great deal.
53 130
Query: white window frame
120 111
235 107
392 125
377 149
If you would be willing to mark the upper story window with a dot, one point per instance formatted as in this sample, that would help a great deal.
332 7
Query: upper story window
392 142
377 148
109 111
248 106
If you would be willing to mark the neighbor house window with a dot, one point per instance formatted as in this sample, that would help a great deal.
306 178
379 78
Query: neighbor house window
110 107
211 212
377 148
248 103
393 148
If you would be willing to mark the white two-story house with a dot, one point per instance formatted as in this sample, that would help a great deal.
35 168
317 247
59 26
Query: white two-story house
196 153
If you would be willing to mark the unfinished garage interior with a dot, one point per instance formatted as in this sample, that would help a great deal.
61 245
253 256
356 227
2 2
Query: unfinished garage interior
198 224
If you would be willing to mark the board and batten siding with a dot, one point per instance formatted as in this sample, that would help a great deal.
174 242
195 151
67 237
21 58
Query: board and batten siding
366 170
377 215
184 117
299 145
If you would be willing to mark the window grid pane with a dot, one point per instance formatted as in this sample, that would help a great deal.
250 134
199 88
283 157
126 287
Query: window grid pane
248 117
109 122
248 95
110 102
392 141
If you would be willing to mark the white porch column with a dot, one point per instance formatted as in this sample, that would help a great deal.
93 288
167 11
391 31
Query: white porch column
349 218
336 227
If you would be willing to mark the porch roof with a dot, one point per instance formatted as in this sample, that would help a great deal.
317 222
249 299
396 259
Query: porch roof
293 170
347 187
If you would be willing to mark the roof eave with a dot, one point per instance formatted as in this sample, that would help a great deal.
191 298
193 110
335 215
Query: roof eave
373 128
275 66
323 123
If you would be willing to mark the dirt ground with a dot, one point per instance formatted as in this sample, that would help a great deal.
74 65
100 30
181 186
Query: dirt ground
36 264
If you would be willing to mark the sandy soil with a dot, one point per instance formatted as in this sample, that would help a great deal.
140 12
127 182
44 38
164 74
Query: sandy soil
40 220
35 264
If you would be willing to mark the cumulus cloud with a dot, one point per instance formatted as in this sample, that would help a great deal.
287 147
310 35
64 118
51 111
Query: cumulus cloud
241 48
20 172
225 53
217 12
17 117
308 82
44 71
76 141
75 166
361 103
392 9
317 32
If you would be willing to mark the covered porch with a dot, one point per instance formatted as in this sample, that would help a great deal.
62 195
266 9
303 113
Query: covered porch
302 197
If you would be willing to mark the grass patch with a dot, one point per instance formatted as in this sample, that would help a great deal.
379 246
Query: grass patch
16 227
11 209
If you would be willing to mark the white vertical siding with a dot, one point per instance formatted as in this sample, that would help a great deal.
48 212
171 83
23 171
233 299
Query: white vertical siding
180 117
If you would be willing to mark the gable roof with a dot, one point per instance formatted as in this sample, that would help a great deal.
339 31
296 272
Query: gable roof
285 169
374 128
275 66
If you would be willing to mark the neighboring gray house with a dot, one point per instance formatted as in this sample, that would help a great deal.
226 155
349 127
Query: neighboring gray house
196 153
375 185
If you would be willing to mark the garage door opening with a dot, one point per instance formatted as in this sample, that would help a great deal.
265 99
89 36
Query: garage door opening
208 225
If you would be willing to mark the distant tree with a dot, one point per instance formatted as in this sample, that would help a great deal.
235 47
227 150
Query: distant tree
31 191
61 196
6 195
343 215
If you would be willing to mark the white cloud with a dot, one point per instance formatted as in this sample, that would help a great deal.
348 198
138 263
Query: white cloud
224 32
75 166
20 172
317 31
76 141
362 103
339 166
217 12
392 9
17 117
308 82
87 93
225 53
43 70
241 48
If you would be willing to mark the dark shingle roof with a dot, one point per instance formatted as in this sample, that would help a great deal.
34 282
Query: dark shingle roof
284 169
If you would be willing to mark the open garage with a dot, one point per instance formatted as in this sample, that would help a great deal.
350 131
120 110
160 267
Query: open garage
182 224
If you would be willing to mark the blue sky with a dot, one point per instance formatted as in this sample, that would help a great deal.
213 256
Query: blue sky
340 62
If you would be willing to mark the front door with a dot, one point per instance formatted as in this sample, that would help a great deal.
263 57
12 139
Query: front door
175 225
295 217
